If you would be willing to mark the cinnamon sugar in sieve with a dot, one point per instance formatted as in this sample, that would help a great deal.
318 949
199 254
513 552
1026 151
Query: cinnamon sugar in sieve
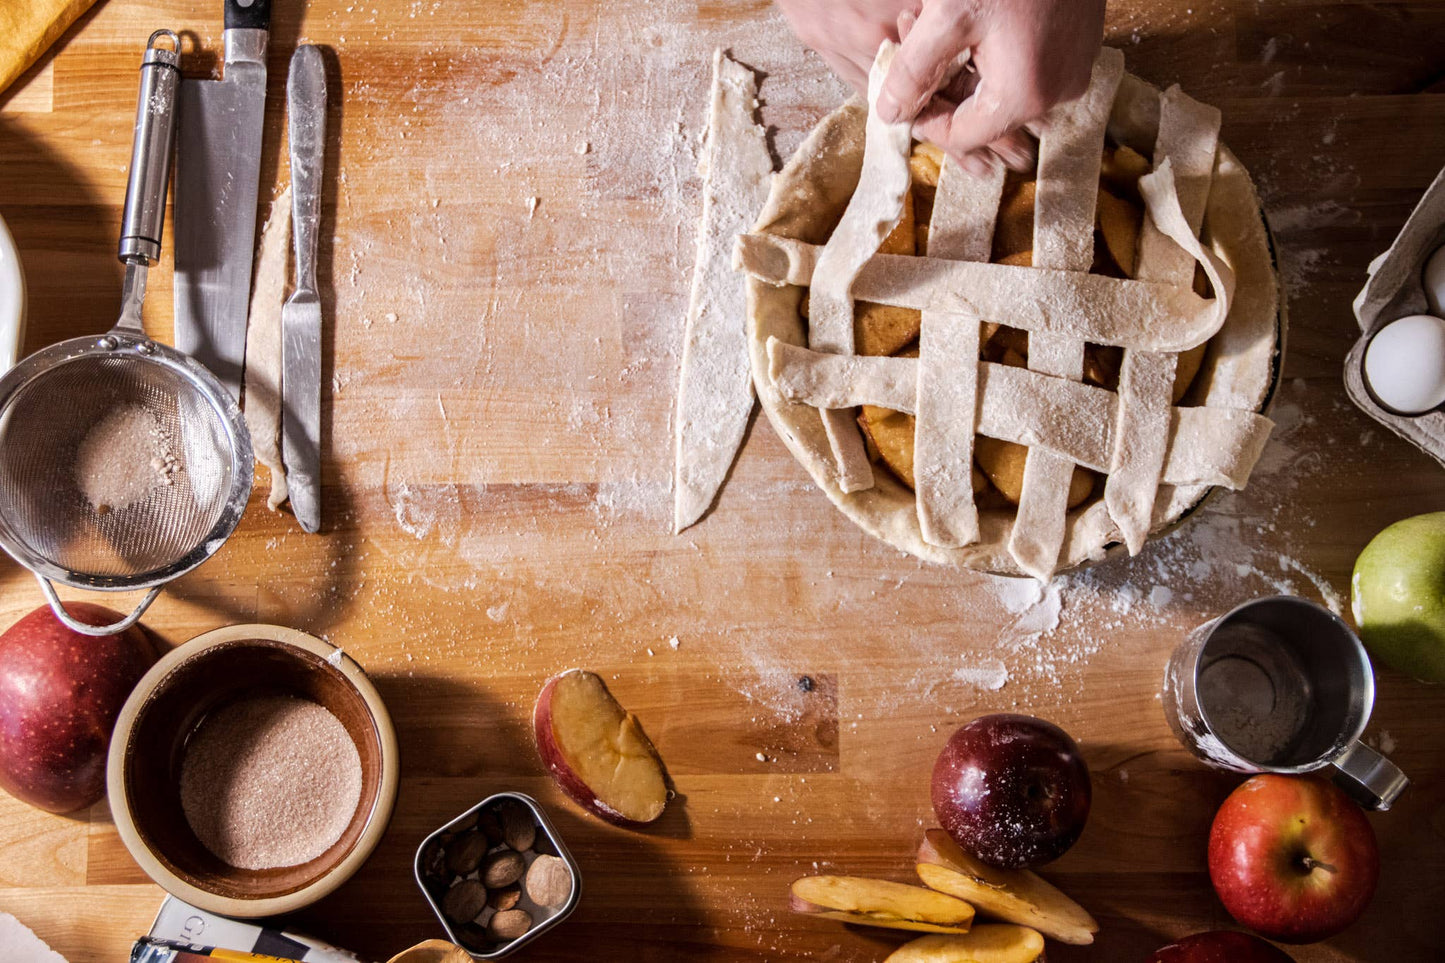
270 781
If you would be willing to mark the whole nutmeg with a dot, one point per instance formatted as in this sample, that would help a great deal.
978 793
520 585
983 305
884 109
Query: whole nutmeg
519 829
464 901
549 881
465 853
489 824
509 924
502 869
505 899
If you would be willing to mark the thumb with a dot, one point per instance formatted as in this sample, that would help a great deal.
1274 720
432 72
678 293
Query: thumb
943 31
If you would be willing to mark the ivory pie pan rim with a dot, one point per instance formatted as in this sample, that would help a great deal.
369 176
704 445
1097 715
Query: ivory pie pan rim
171 863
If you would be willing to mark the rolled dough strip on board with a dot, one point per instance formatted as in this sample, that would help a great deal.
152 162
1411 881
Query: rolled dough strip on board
1188 138
715 387
871 214
263 346
1090 307
1070 153
1207 446
964 211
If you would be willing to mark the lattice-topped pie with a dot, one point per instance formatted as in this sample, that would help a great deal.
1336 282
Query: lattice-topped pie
1013 373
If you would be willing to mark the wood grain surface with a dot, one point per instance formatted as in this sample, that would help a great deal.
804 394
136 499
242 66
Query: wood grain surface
509 214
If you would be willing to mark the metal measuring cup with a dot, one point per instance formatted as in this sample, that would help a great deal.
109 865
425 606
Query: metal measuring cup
1280 685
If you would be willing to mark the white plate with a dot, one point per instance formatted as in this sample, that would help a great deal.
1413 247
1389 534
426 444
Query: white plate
12 300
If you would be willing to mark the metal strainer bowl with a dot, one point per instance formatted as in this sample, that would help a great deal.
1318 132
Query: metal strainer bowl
123 463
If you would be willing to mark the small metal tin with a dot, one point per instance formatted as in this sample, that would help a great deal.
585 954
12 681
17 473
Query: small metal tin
464 821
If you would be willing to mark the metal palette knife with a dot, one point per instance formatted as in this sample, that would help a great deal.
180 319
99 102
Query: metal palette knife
218 165
301 314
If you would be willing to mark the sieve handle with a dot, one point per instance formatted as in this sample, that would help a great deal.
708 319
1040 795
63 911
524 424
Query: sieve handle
85 629
150 154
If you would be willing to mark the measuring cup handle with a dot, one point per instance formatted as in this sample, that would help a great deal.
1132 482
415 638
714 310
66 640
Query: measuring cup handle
1368 777
83 628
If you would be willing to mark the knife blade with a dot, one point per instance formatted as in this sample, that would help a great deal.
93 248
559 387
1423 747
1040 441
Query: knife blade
301 314
218 164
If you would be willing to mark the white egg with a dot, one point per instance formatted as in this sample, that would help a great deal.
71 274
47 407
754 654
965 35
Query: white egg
1405 364
1434 278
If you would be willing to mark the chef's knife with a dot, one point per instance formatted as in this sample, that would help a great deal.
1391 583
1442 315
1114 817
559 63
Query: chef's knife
218 163
301 314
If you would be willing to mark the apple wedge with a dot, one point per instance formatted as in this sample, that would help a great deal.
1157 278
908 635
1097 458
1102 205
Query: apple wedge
880 902
597 752
1015 895
985 943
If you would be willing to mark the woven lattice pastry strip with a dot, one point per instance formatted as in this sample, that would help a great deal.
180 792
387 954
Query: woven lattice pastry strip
1154 452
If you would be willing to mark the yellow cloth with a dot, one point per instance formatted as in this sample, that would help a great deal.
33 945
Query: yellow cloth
28 28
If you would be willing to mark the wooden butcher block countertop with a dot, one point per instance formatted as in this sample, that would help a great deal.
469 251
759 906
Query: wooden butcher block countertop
508 239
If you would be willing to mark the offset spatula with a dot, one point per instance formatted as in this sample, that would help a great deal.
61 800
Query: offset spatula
218 161
301 315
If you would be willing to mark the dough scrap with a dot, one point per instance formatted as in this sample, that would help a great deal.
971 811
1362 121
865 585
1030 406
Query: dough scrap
263 346
870 217
965 208
1071 150
1188 139
715 387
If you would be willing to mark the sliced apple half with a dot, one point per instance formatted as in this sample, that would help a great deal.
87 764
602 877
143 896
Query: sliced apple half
597 752
1015 895
880 902
985 943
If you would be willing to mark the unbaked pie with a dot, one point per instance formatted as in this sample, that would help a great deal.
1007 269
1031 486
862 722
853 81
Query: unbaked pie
1014 373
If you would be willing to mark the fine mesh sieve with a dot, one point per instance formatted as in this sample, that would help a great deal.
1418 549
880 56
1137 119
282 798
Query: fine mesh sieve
123 463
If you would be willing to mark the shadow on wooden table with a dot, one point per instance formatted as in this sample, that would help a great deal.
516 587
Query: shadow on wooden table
460 744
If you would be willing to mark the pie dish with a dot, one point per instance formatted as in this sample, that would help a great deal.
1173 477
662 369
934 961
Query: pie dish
1152 358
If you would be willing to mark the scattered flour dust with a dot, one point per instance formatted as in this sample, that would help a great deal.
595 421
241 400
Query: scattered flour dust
1237 546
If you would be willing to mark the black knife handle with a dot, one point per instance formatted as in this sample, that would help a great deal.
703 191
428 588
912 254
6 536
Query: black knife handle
248 14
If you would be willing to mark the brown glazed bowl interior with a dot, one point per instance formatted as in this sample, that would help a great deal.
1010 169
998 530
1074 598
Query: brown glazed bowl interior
165 711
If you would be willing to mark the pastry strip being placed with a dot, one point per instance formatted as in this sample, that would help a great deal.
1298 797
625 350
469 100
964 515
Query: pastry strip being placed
964 211
263 346
872 213
1188 137
1207 446
715 387
1070 152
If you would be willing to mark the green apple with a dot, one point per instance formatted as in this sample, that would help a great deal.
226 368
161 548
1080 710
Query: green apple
1398 594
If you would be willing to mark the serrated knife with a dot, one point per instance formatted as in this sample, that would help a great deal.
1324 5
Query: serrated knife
218 163
301 314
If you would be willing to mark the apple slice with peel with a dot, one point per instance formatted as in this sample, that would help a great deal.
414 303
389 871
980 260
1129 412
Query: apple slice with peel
597 752
985 943
1015 895
880 902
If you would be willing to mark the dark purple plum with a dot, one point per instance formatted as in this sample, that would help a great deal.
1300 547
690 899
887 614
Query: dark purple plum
1012 790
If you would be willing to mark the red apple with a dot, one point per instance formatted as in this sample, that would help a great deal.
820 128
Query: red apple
1220 946
1012 790
1292 858
597 752
60 693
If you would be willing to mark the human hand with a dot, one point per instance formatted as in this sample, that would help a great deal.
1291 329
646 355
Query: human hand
1027 55
846 33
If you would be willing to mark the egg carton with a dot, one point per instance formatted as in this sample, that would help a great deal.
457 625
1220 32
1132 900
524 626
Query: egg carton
1395 289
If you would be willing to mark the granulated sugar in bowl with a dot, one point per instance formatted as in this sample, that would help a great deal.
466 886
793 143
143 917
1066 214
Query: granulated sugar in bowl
253 770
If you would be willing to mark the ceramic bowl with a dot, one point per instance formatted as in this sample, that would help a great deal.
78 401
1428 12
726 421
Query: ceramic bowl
172 699
12 300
